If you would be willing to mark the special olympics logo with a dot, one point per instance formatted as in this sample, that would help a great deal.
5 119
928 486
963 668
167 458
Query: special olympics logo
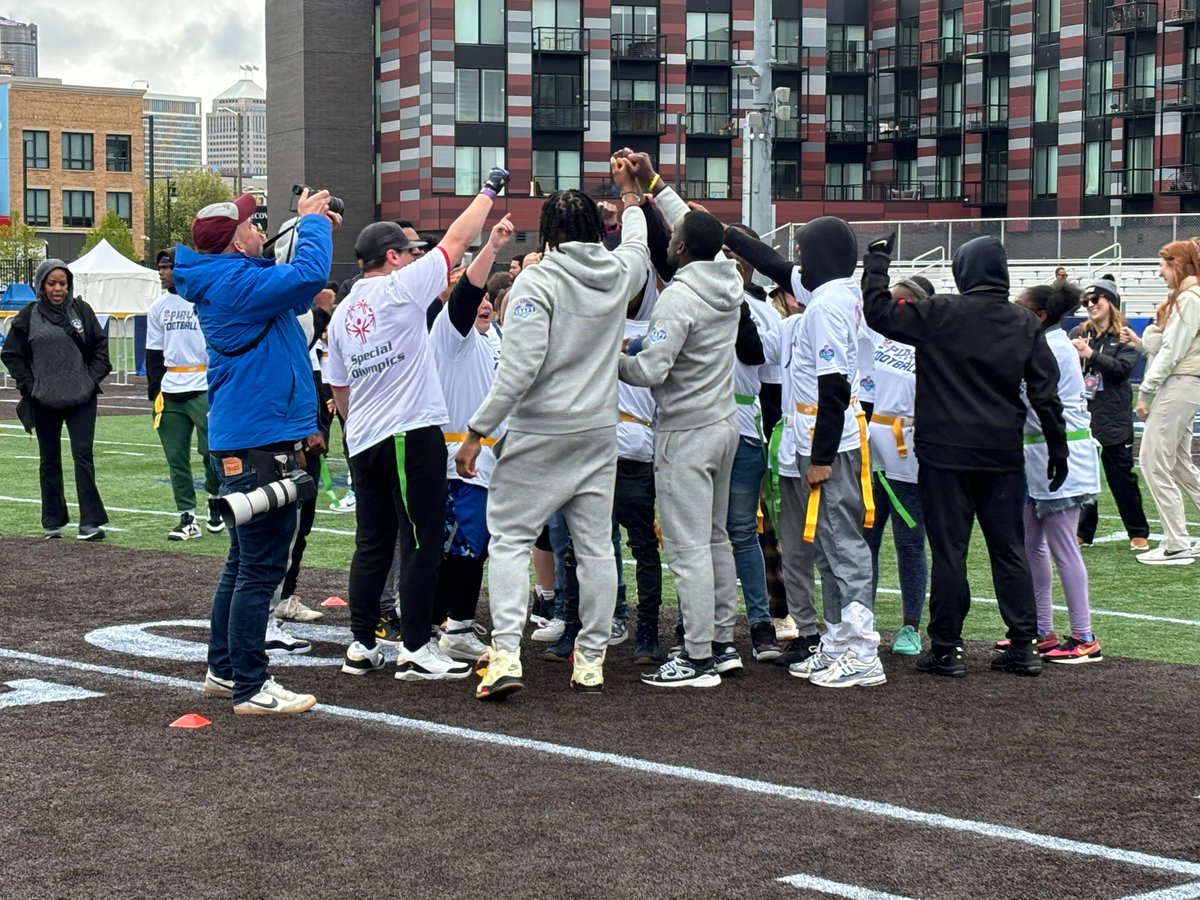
360 320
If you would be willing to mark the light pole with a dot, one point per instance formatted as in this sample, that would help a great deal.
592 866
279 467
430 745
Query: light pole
238 113
149 117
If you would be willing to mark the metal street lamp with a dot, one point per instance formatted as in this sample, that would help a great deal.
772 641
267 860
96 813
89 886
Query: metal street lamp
238 113
149 117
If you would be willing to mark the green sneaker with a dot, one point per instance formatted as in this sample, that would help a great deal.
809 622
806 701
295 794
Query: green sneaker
907 642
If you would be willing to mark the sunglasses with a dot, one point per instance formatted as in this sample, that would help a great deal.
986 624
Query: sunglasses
1093 299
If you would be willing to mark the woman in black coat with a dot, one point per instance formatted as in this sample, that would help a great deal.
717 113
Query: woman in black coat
1107 364
58 355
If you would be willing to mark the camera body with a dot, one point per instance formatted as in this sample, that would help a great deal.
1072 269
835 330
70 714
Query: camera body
335 203
239 508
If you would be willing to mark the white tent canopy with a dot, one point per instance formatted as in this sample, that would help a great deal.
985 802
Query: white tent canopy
112 284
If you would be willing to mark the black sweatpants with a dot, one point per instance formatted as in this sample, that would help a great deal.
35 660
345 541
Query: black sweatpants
81 427
951 501
633 508
400 483
1117 460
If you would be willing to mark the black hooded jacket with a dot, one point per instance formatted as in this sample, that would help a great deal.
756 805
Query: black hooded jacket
974 350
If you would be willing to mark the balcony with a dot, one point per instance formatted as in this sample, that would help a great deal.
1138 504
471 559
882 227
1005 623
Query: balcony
904 56
943 51
1129 101
1180 13
993 117
1181 180
899 129
711 52
848 59
1128 182
710 125
985 193
895 191
1181 94
944 124
792 57
792 129
986 42
560 118
560 40
1131 17
544 185
638 120
706 190
847 131
644 47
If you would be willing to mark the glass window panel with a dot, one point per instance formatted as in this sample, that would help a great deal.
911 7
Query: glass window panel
467 175
466 95
492 96
466 21
37 207
491 23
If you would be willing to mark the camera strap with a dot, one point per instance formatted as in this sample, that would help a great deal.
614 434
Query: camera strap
241 351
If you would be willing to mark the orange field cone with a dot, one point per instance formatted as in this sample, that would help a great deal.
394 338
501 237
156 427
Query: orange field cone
334 601
191 720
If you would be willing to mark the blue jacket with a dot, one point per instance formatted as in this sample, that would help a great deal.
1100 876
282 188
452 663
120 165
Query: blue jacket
266 395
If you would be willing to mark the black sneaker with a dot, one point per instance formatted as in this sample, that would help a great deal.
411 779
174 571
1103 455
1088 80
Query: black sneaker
726 658
946 661
646 651
799 649
52 534
90 533
765 646
215 523
684 672
561 650
1020 658
388 631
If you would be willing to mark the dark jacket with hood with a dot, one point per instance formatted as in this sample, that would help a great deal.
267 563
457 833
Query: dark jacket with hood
1112 406
974 350
57 353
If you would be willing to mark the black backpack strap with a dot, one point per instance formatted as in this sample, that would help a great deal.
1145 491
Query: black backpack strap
241 351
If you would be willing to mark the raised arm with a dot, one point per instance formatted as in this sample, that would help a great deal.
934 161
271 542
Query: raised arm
466 227
765 259
906 320
463 305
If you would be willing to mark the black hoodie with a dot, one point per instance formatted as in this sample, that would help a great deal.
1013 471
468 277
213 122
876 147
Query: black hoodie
973 352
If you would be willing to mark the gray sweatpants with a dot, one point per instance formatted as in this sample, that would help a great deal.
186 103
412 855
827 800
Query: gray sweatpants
799 556
843 558
535 475
691 478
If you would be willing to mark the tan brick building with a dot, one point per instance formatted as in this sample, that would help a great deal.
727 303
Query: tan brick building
74 153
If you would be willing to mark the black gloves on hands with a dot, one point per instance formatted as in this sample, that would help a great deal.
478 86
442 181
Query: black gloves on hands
497 180
883 245
1057 473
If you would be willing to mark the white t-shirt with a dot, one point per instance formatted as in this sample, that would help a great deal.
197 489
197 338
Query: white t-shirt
466 368
896 397
379 348
172 327
634 440
787 439
826 343
868 340
768 321
307 326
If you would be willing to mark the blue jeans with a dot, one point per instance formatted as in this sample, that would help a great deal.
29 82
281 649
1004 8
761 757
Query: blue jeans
742 523
566 585
910 546
257 563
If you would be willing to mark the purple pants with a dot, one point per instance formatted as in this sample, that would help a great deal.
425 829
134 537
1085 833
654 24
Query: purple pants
1054 535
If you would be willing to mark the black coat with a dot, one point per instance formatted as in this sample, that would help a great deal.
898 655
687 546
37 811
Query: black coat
1112 407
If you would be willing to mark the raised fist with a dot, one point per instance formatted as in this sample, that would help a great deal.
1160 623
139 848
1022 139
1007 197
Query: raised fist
497 180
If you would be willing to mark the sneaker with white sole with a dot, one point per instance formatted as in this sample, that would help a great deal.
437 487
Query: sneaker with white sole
785 629
850 671
726 658
347 504
683 672
360 660
619 634
292 609
461 641
215 524
587 675
217 687
188 529
550 632
280 641
500 671
1160 556
428 663
273 699
90 533
818 662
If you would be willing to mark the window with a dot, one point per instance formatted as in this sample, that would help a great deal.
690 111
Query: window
1045 172
906 174
77 209
478 22
1096 161
1045 95
554 13
122 205
37 207
844 181
1047 21
557 170
950 104
950 177
118 152
642 20
77 151
785 179
37 149
479 95
470 166
908 32
708 109
1098 82
558 101
1139 77
952 33
787 40
635 105
708 176
708 36
997 93
847 47
1095 16
1139 165
846 113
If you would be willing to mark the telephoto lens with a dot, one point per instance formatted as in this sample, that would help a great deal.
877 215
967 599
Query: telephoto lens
336 205
239 508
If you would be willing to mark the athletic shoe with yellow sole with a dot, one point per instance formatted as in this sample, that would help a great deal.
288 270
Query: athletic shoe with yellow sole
500 674
1073 652
273 699
587 676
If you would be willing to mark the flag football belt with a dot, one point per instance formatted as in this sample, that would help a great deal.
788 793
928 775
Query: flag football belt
634 420
1036 437
455 437
896 423
187 368
814 496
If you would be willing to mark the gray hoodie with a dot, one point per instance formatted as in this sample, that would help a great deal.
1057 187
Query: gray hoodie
562 331
688 354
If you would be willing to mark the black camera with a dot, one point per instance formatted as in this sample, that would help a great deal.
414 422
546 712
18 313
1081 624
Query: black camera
335 203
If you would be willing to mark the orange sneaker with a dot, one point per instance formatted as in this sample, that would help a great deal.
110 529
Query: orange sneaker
1049 642
1073 651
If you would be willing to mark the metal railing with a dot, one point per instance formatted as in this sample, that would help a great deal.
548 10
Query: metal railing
544 185
990 117
899 129
639 46
1131 182
901 56
942 124
1181 180
705 50
706 190
848 59
1180 14
560 40
564 118
638 120
1181 93
1135 15
936 51
710 124
847 131
985 193
986 42
1130 100
1110 256
789 56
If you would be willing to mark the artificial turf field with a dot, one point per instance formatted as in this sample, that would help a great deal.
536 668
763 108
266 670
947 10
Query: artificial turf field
1082 783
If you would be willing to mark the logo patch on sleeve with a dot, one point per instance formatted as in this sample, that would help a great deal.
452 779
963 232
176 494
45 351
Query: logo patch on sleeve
524 309
826 353
868 384
658 334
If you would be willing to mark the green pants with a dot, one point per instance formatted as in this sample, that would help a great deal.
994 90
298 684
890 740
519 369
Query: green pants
179 417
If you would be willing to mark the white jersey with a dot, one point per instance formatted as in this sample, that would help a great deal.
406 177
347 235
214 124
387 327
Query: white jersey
868 340
379 348
307 326
787 440
172 327
768 321
895 398
466 368
748 380
635 431
826 343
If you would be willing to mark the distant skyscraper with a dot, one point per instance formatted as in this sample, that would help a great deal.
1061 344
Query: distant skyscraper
19 43
247 101
177 141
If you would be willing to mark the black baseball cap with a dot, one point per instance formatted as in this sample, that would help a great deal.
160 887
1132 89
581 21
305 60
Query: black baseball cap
377 239
168 255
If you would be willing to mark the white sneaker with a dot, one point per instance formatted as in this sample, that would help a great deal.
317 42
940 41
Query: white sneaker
785 629
273 699
359 660
188 529
461 641
217 687
346 504
818 662
1159 556
291 608
428 663
550 632
620 633
850 671
280 641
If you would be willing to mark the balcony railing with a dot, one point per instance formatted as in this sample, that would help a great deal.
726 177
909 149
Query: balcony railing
789 56
652 47
991 117
986 42
1131 16
942 124
560 118
985 193
710 125
638 120
903 56
1130 100
847 131
709 51
848 59
899 129
1128 182
900 190
1180 13
560 40
706 190
1181 93
544 185
941 51
1181 180
792 129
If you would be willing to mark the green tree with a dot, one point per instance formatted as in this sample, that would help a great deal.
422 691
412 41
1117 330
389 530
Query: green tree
176 202
113 229
20 242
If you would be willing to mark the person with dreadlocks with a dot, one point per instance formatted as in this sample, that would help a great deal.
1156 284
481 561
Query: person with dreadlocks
556 391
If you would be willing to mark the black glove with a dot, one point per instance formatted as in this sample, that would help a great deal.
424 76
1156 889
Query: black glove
883 245
1057 472
497 180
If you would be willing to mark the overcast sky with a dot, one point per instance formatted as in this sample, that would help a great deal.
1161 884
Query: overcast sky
180 47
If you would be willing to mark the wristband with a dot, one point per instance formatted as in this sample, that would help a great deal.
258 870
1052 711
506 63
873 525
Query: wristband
653 182
487 190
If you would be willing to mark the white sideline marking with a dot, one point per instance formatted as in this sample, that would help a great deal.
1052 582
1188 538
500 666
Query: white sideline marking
121 453
1149 520
34 691
685 773
100 405
850 891
1182 892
